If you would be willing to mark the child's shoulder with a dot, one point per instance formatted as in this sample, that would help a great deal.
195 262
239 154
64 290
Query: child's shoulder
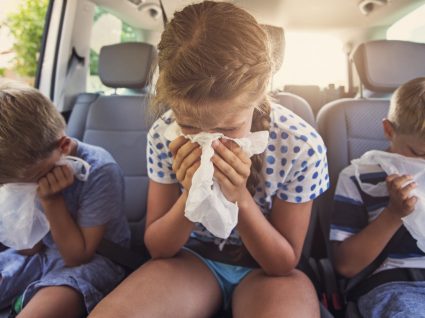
289 129
96 156
160 125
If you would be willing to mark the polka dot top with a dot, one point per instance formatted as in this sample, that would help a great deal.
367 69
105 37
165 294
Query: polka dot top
294 169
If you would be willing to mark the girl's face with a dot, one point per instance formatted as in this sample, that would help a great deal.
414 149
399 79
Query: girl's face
224 117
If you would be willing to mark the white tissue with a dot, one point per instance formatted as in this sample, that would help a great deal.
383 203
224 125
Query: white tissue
22 224
79 167
397 164
206 203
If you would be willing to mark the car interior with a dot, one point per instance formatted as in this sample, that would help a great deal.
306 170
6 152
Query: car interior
97 64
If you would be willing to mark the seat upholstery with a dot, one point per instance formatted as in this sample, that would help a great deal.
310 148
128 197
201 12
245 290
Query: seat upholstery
296 104
119 123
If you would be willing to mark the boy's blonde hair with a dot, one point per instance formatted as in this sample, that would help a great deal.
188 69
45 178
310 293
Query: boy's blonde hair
30 128
407 109
212 52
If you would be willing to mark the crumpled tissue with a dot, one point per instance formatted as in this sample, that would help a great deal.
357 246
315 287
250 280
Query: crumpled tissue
22 223
206 204
393 163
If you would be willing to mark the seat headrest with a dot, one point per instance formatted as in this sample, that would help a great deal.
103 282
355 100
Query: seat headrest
384 65
126 65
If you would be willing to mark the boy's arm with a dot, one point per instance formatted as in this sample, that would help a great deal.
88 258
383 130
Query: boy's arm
76 244
358 251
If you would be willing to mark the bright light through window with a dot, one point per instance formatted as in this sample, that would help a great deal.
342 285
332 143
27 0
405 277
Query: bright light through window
409 28
312 59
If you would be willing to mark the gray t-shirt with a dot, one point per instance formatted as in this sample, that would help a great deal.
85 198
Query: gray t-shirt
100 199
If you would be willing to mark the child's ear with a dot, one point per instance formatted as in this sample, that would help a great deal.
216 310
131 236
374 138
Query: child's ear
65 145
388 128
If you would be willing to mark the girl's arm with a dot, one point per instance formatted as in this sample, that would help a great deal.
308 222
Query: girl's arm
167 229
351 255
76 245
276 244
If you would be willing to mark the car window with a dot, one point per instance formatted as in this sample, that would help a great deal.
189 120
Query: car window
327 64
409 28
21 30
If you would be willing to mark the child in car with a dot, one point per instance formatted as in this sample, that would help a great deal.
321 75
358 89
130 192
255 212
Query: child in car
375 196
61 275
214 72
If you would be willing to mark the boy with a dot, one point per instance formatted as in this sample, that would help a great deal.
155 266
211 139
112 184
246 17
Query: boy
62 276
367 231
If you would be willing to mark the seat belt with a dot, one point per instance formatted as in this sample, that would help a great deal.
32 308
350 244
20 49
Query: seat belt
164 15
366 272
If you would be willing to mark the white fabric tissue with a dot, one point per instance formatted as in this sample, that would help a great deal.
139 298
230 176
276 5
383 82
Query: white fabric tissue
206 203
22 223
397 164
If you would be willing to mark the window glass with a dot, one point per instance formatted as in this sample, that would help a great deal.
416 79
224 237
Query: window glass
21 30
107 29
409 28
312 59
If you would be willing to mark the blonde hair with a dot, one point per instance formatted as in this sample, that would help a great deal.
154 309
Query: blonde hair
407 108
30 127
210 52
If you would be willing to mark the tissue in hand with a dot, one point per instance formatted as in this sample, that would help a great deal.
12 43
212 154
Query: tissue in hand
80 168
393 163
206 203
22 224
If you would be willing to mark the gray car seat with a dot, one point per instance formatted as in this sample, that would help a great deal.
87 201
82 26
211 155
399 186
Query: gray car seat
350 127
119 123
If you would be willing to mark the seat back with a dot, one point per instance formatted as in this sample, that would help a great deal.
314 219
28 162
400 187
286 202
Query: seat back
296 104
119 123
351 127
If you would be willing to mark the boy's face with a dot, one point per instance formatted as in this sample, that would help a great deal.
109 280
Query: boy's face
408 145
403 144
42 167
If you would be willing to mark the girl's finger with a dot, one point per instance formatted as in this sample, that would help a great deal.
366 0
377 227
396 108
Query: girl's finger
231 159
222 179
176 144
237 150
231 174
182 153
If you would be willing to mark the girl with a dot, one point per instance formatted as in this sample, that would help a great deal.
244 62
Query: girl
214 70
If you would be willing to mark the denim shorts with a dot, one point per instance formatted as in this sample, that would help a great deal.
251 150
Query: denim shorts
395 299
228 276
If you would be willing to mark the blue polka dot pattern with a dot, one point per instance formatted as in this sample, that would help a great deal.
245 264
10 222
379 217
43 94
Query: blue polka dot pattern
294 163
270 159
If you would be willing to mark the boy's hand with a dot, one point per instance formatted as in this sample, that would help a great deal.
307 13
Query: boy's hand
399 188
186 161
52 184
232 168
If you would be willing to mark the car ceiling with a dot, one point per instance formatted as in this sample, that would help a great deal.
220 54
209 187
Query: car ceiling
342 16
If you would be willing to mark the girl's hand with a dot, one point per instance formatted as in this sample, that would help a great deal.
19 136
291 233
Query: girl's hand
52 184
232 169
399 188
187 159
